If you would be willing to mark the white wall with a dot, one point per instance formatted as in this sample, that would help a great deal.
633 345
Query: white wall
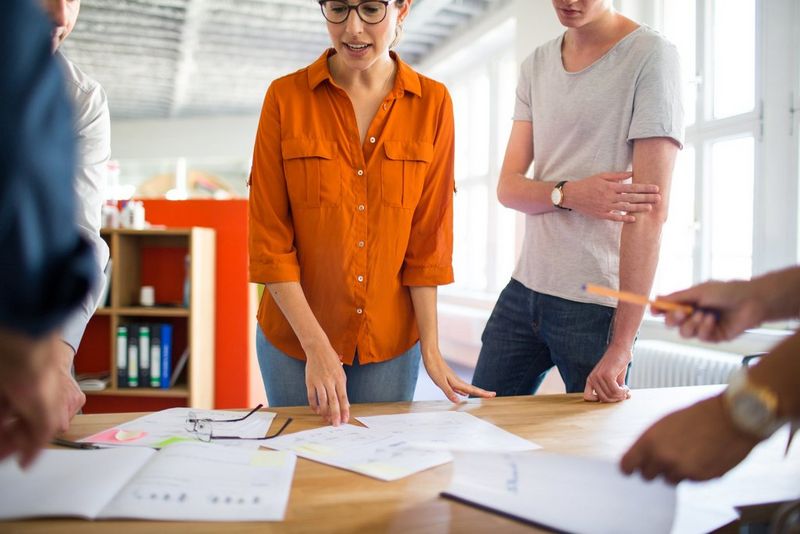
215 137
536 24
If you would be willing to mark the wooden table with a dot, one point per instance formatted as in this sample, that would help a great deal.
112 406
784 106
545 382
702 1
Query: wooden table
326 499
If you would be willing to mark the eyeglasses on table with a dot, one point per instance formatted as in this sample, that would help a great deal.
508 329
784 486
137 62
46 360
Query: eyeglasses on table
203 427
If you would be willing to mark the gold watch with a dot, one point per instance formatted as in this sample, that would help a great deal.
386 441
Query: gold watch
557 195
752 408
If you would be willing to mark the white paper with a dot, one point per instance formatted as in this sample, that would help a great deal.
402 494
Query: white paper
67 482
767 475
454 431
169 426
567 493
696 515
375 453
196 482
182 482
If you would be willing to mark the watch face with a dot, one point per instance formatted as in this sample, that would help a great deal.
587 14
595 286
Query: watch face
750 411
555 196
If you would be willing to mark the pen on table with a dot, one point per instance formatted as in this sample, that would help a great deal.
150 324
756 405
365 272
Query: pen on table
633 298
73 444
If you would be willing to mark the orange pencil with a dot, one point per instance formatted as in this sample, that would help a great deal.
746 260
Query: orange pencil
627 296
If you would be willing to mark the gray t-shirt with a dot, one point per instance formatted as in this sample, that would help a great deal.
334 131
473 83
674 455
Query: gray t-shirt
584 123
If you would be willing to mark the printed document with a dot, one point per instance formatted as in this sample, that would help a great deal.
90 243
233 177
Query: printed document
182 482
378 454
396 446
566 493
163 428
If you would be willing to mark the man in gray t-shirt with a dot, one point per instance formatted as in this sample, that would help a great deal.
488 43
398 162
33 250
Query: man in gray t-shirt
598 109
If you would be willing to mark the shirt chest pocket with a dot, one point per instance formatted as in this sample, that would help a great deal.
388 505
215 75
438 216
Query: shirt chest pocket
313 173
403 172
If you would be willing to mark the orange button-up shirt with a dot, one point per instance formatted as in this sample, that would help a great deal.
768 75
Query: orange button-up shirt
354 224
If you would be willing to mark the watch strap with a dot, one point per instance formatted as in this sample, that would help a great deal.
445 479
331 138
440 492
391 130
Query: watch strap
560 187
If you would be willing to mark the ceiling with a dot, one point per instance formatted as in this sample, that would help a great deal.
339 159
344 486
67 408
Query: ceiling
188 58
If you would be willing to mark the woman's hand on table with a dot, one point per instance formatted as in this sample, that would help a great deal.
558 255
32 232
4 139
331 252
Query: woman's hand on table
448 381
326 385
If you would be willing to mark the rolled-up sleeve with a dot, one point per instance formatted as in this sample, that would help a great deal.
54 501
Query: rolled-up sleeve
273 257
429 256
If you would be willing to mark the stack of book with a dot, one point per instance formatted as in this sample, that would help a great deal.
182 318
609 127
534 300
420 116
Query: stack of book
144 356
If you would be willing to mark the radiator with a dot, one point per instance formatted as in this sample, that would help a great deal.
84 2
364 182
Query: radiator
658 364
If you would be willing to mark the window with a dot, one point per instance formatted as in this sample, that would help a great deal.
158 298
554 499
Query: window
728 218
482 81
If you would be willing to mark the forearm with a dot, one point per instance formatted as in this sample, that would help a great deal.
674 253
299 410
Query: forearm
653 161
291 300
424 300
780 292
780 371
519 193
639 248
514 189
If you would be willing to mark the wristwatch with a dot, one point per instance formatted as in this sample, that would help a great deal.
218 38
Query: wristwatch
557 195
752 408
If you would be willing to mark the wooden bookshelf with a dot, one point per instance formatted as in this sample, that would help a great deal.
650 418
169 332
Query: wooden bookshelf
178 392
156 257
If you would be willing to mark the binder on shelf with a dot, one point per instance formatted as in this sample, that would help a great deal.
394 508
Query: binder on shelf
133 356
155 356
122 356
144 355
166 355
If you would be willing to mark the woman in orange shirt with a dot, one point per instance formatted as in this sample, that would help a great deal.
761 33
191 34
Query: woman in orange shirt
351 209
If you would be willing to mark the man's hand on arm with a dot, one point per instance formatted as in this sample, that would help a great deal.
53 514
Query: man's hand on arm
604 196
601 196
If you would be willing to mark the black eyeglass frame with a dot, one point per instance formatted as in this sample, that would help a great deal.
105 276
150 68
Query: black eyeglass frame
355 8
194 421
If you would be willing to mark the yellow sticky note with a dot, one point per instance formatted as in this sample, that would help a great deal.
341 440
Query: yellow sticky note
381 470
170 441
268 459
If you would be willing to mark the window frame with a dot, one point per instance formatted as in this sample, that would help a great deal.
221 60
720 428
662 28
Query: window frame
776 196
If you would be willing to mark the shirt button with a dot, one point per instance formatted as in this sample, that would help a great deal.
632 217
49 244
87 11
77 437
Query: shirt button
360 278
360 172
361 207
359 311
372 140
385 107
361 244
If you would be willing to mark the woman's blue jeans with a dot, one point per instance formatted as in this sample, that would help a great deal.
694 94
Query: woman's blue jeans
285 377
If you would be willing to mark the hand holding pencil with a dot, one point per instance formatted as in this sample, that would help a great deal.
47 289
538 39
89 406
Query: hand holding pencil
712 311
